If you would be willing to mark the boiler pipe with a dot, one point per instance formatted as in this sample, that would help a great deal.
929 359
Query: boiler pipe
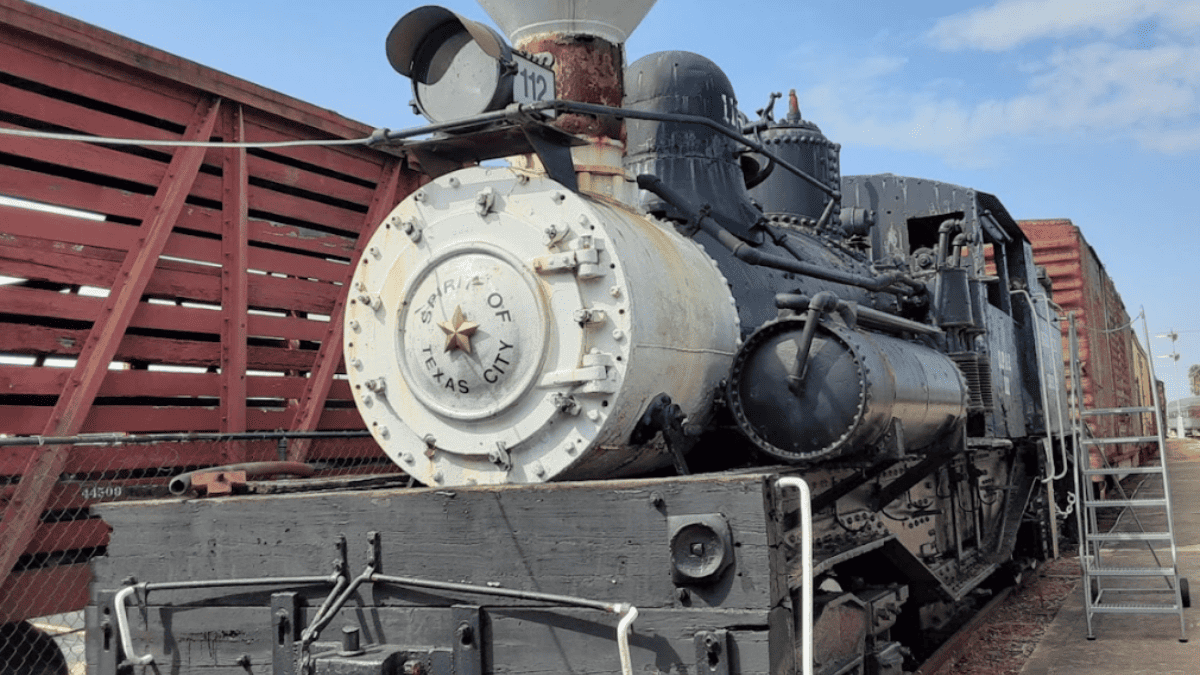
748 254
865 314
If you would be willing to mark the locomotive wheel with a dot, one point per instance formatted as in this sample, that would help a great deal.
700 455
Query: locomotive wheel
26 650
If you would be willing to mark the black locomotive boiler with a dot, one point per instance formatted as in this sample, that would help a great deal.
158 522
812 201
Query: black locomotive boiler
607 360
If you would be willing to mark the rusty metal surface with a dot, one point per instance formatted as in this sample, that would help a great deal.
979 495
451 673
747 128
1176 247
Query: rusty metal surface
589 71
186 290
1116 370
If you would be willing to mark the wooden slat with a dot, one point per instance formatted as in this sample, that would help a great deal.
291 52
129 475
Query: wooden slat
148 172
52 590
29 230
69 414
30 420
94 79
86 459
76 118
234 262
65 536
151 70
57 341
87 196
348 161
62 496
42 381
267 292
330 355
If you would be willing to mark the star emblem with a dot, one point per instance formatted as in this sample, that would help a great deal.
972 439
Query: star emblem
458 331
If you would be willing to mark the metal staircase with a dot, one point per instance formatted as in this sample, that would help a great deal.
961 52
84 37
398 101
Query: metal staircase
1130 567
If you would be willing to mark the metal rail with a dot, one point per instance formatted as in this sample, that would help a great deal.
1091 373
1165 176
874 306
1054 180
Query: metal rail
118 438
806 569
123 595
343 589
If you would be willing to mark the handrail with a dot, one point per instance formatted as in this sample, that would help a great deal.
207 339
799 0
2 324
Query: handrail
123 594
806 569
624 627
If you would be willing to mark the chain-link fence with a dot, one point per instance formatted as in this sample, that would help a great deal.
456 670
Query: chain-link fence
41 622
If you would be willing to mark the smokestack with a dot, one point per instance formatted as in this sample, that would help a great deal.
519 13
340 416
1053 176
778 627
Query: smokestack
610 20
586 39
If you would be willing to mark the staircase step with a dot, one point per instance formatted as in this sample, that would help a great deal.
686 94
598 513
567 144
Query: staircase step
1131 572
1117 411
1134 608
1122 503
1131 536
1122 469
1125 439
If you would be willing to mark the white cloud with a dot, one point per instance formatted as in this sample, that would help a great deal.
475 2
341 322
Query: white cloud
1098 91
1010 23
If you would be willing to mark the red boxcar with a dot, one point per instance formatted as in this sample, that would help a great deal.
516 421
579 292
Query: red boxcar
1116 371
188 289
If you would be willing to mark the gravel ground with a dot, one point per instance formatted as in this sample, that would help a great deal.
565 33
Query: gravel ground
1005 642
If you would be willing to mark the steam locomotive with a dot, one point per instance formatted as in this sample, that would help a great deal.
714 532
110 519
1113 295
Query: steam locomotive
606 359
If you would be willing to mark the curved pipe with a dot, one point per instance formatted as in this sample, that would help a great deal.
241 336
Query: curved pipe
122 595
624 627
944 230
748 254
183 482
865 315
822 302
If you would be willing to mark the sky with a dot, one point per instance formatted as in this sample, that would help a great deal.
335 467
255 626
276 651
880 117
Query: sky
1061 108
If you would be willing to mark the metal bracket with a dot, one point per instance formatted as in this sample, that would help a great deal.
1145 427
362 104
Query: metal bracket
285 630
712 652
468 639
108 648
584 258
597 374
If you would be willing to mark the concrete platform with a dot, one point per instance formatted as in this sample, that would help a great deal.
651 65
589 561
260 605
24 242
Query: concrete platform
1136 644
